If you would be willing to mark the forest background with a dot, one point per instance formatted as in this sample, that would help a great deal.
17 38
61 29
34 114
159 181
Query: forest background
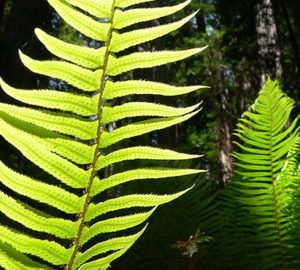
247 40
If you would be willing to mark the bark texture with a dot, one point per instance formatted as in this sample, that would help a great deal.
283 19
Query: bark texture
268 49
224 128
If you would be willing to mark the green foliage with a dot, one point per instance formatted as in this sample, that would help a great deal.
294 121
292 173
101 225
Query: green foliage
258 213
169 233
66 136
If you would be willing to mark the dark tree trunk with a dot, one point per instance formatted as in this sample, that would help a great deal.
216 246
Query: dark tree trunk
19 34
224 138
201 26
268 49
223 130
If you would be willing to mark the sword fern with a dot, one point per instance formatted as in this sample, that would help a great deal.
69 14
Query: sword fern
264 191
257 217
56 135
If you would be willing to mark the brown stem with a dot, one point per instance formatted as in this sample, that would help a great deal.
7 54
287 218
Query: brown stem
99 132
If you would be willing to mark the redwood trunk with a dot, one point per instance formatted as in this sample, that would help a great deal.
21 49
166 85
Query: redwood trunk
268 49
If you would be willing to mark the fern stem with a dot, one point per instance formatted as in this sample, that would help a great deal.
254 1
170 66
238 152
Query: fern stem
273 189
99 132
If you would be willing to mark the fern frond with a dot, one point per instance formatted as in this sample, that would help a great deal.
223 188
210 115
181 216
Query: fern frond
292 164
118 243
136 200
94 7
82 56
81 22
141 152
80 128
134 109
59 167
17 211
41 192
137 60
126 18
140 128
257 204
72 102
131 87
104 263
120 42
49 251
115 224
63 145
14 260
82 78
139 174
128 3
68 144
288 182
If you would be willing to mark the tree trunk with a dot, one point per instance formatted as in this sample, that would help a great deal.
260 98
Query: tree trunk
268 49
19 34
224 128
224 138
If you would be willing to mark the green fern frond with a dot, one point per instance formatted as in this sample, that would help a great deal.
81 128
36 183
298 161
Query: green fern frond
120 89
65 134
140 152
82 56
41 192
120 42
147 60
139 174
14 259
289 180
126 18
257 204
75 103
82 78
134 109
81 22
140 128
